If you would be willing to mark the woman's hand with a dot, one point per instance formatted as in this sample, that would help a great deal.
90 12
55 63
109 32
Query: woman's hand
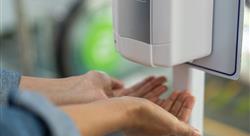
135 116
150 88
152 120
91 87
98 85
179 104
105 86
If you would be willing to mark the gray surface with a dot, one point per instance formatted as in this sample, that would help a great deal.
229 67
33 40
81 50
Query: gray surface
226 38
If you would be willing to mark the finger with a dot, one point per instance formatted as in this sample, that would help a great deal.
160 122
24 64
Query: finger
149 86
109 82
142 83
170 100
178 103
114 87
186 109
116 84
154 99
159 102
184 129
131 91
156 92
119 93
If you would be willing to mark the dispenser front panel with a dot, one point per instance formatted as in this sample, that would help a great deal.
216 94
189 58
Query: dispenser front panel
134 19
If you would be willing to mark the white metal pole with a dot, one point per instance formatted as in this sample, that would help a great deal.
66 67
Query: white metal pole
187 78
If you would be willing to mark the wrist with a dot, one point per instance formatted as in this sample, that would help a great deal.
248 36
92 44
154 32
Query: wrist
124 110
99 118
134 109
55 90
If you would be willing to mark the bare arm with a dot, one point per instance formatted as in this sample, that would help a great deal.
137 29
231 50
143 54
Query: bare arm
85 88
59 91
98 118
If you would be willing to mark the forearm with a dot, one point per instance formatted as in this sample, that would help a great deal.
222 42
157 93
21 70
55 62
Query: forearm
55 90
99 118
40 84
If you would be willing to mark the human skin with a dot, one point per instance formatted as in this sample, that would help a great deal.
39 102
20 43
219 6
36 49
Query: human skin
92 86
95 86
134 116
182 102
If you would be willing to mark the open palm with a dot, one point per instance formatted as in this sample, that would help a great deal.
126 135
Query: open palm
180 104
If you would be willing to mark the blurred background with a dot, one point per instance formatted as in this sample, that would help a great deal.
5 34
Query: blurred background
58 38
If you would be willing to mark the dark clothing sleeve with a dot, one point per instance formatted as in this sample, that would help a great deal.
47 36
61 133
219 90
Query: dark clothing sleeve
18 122
14 120
8 81
23 112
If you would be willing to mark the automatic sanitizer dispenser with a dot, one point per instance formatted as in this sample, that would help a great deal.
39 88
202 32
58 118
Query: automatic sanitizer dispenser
206 35
163 32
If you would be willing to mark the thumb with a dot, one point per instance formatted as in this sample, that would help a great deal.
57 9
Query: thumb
183 129
116 84
111 83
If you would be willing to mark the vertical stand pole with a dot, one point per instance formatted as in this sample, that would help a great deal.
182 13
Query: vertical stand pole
186 78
